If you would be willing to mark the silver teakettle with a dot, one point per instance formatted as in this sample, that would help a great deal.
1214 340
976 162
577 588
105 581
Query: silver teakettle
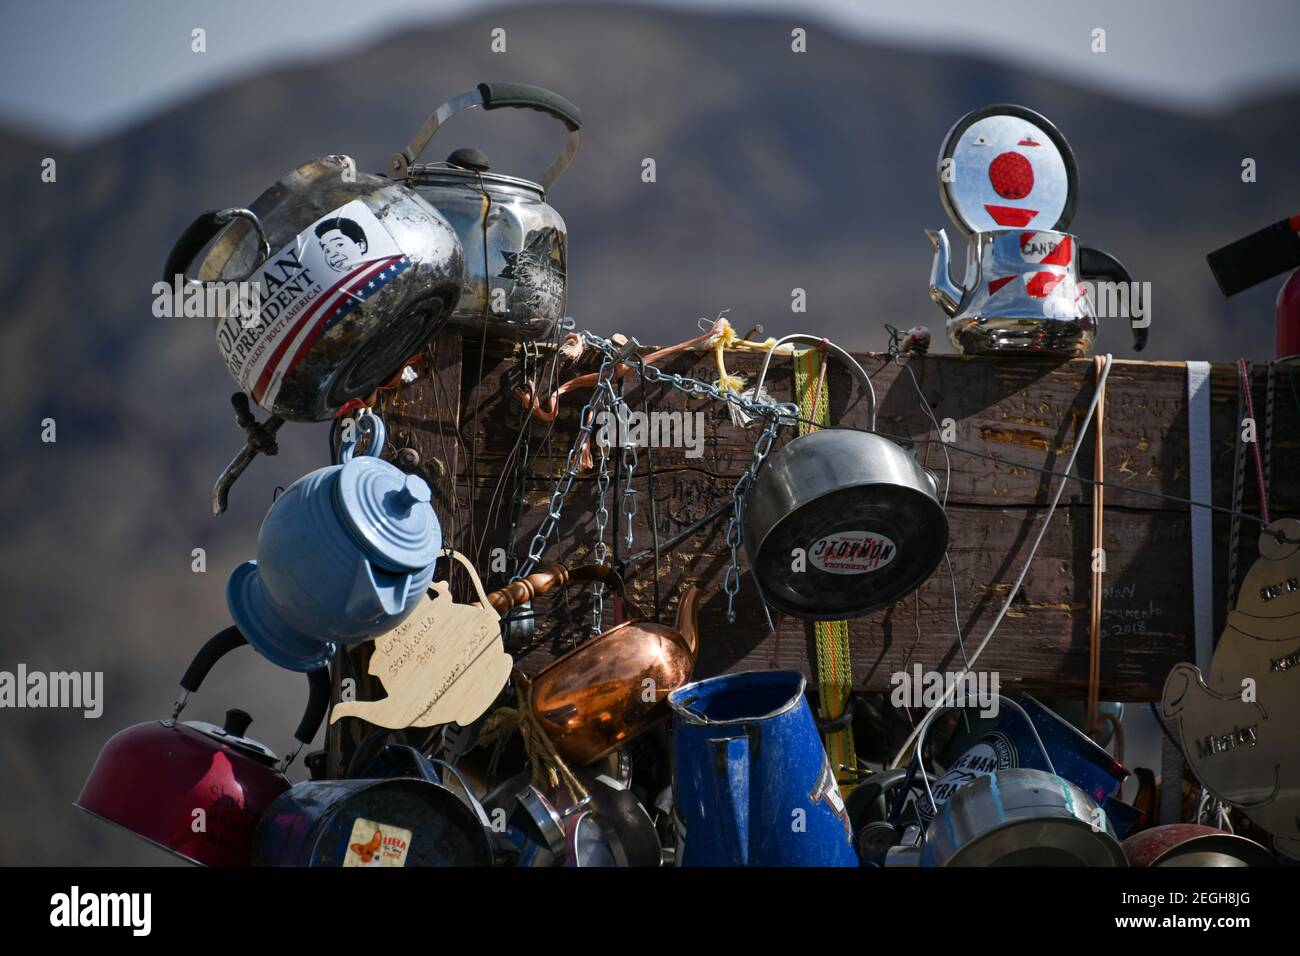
515 244
1008 180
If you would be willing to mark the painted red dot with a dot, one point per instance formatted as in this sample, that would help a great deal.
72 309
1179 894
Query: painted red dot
1012 176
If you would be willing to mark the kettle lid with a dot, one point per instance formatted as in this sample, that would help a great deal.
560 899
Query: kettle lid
232 733
388 514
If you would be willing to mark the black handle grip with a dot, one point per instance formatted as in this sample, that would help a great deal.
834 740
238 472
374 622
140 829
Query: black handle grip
197 235
1095 264
217 647
523 96
222 643
1256 258
318 702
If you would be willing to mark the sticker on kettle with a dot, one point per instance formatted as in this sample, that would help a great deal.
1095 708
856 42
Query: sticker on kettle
852 552
329 270
993 751
377 844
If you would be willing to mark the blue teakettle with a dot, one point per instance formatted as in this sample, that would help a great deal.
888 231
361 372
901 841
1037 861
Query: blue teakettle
345 553
754 786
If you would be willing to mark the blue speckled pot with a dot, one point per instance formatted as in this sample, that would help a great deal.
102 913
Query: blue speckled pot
344 554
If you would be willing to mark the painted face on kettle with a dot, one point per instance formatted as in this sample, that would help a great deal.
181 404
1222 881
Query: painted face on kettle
1006 167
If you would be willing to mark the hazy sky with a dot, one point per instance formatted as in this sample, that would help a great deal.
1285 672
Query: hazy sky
80 68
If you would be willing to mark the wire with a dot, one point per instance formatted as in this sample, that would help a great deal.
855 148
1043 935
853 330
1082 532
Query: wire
1024 570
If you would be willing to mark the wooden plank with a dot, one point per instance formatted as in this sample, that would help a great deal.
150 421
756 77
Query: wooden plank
1023 412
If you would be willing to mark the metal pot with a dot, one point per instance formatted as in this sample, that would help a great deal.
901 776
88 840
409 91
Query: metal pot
1021 817
1191 844
864 513
515 244
355 274
153 777
345 553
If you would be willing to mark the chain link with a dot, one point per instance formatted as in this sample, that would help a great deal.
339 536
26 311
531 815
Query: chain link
600 553
602 397
731 579
629 492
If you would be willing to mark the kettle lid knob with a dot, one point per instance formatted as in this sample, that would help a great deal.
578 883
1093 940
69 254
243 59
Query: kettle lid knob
467 157
237 721
414 491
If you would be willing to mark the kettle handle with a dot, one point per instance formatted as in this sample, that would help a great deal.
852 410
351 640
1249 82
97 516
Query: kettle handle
1095 264
202 231
221 644
342 452
854 368
492 96
919 763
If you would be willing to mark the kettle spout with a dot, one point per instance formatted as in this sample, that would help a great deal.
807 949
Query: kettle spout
376 593
687 619
942 289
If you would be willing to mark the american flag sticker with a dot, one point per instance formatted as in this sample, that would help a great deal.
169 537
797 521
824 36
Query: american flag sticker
329 270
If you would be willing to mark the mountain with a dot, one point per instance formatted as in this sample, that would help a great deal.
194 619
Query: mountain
774 171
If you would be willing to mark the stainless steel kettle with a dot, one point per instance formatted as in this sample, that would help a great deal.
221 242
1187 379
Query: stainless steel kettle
515 244
352 273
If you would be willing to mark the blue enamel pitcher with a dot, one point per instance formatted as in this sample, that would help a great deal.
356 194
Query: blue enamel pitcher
754 786
344 554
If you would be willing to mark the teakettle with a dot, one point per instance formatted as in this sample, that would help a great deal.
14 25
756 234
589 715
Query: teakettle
345 553
1008 180
155 777
354 274
515 244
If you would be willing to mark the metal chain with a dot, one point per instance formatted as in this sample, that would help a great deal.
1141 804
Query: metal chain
731 579
601 552
629 491
695 387
602 397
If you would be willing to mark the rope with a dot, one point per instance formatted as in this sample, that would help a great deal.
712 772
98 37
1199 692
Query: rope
549 768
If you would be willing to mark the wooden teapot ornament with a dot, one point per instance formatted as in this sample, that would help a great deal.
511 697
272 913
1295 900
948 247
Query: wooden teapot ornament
1241 729
446 663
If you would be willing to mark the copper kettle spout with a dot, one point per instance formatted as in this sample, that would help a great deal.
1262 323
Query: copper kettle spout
688 619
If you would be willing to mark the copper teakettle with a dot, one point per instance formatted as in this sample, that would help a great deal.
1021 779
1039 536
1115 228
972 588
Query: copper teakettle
596 697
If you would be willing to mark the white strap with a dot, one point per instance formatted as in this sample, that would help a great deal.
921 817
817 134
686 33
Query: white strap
1198 451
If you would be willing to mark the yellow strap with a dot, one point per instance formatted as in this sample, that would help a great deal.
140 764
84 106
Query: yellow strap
834 674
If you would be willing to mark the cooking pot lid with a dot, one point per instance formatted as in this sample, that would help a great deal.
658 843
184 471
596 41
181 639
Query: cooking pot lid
388 514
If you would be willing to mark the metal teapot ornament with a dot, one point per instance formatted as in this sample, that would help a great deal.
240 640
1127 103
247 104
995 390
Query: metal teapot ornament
345 553
515 244
1009 182
339 277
